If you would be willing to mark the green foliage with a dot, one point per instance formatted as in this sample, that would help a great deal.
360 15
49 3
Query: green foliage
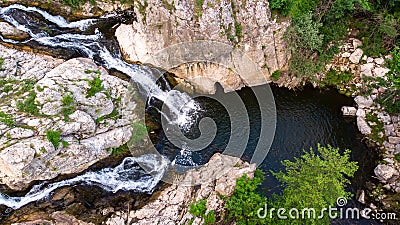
139 132
276 74
198 9
54 137
315 180
113 115
397 157
333 78
377 128
244 203
390 99
95 85
199 209
64 144
305 34
77 3
121 150
1 63
7 88
29 105
7 119
68 106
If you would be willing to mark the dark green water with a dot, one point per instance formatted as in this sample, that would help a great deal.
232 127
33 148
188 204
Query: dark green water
304 119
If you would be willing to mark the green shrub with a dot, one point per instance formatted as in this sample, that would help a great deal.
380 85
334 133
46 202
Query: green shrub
95 85
29 105
54 137
68 106
7 119
390 99
1 63
199 209
333 78
123 149
397 157
276 75
315 180
244 203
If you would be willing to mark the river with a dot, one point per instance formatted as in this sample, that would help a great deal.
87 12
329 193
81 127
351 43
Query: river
304 117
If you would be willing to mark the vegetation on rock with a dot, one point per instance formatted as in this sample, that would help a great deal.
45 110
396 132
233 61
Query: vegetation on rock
315 180
54 137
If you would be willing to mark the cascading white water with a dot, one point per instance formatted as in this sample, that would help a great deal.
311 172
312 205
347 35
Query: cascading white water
125 176
90 45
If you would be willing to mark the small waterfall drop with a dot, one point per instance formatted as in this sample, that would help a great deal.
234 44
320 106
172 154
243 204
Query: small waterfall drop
84 38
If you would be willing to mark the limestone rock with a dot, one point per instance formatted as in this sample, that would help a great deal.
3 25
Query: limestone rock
363 102
356 43
366 69
379 61
363 126
349 111
384 172
170 206
10 32
394 140
158 27
380 72
61 96
356 55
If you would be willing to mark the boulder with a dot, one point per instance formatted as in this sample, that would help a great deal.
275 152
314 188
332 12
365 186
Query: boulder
363 126
170 206
349 111
356 55
83 121
380 71
363 102
384 172
10 32
394 140
366 69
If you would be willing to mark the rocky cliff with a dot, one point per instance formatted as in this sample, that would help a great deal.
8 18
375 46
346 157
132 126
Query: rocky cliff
54 119
247 25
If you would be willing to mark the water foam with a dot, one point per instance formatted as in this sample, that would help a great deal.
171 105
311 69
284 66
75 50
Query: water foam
128 176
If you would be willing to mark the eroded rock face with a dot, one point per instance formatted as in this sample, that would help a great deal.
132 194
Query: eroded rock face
247 25
172 204
44 95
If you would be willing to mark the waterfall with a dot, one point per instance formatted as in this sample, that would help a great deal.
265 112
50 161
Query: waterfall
126 176
77 36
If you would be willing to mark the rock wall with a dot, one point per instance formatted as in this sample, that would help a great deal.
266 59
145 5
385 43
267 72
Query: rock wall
171 205
372 121
248 25
41 94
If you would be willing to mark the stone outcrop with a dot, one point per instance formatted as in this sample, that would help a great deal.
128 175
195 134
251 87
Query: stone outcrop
247 25
372 120
171 205
42 94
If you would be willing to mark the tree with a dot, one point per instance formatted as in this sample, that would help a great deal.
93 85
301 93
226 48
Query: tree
315 180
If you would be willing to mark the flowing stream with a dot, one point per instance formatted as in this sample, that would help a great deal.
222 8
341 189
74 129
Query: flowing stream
305 118
85 38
